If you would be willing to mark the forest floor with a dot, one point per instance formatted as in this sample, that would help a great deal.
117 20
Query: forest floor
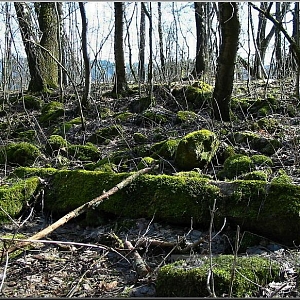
81 261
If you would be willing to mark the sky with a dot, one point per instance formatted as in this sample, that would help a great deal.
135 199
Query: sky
101 24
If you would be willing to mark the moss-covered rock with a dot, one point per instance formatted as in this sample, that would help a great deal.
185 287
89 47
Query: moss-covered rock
88 152
264 145
25 172
184 279
238 164
123 116
32 102
139 137
194 96
186 117
22 153
65 127
145 162
51 112
165 149
196 149
56 143
14 198
104 134
282 178
271 210
173 199
255 175
141 104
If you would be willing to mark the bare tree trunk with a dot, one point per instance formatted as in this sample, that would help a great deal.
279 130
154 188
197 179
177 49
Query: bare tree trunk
49 27
200 29
230 29
129 44
160 37
36 83
86 59
150 65
142 74
278 48
120 78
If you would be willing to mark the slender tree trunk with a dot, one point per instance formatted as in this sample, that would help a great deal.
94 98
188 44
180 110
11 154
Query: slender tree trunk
120 76
86 58
160 38
230 28
142 74
278 48
150 65
200 48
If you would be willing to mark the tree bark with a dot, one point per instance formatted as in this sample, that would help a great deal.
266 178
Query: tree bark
230 28
142 74
200 29
120 85
48 25
86 59
160 38
32 51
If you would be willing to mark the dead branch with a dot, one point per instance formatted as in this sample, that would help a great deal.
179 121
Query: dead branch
141 268
78 211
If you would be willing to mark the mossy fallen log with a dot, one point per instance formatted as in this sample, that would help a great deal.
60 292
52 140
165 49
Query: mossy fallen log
271 209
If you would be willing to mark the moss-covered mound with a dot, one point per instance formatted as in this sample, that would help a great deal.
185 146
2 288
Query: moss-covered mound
264 145
269 209
238 164
172 199
51 112
196 149
22 153
13 198
183 279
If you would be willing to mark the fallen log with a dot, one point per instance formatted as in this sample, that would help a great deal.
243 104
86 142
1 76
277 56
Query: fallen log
78 211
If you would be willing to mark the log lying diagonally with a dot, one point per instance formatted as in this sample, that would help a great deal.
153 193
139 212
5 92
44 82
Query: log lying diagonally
78 211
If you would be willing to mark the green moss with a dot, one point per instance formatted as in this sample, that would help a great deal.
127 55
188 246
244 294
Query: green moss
236 165
261 161
141 104
51 112
84 152
32 102
181 280
259 207
171 198
27 136
22 153
145 162
123 116
196 149
66 126
266 123
56 143
156 116
165 149
282 178
107 133
24 172
267 146
255 175
14 198
139 137
186 117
